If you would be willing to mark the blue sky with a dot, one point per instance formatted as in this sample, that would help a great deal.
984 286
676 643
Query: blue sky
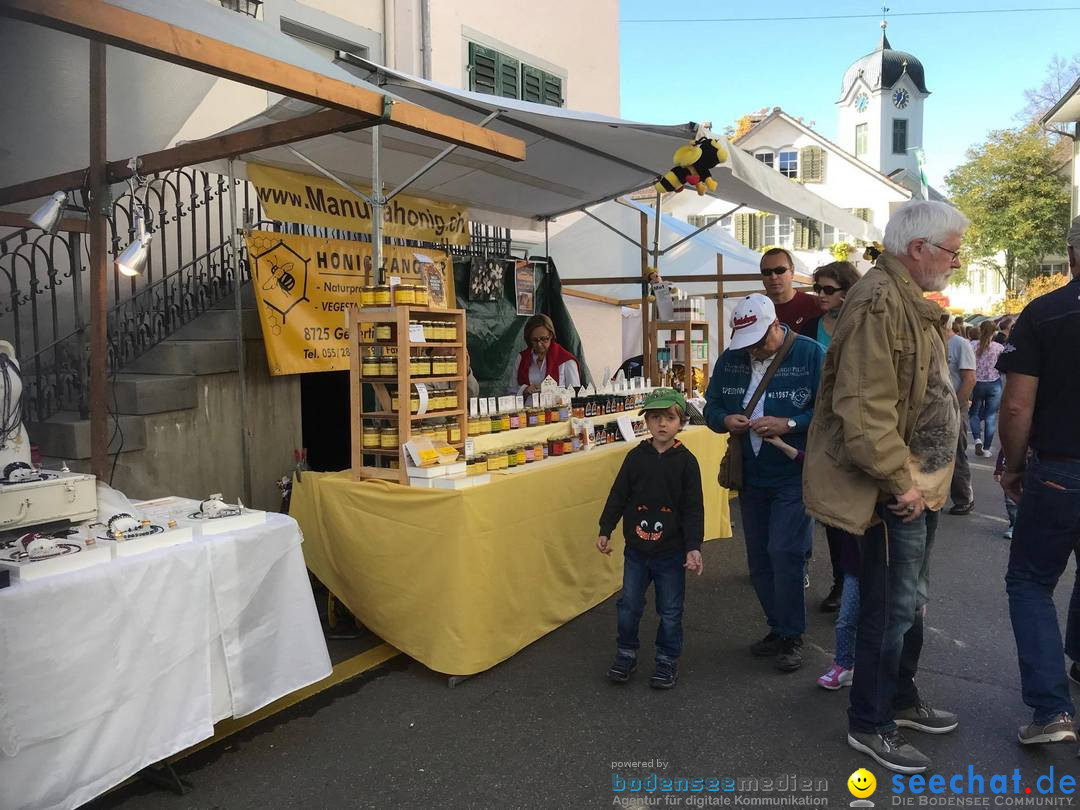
977 65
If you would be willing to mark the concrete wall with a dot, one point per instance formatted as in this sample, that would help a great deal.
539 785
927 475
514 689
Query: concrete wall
197 451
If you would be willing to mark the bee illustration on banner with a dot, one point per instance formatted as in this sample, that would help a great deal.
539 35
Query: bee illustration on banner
282 276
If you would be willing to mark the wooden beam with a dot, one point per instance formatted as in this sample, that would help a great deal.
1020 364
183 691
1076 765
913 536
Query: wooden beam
588 296
596 280
13 219
113 25
220 147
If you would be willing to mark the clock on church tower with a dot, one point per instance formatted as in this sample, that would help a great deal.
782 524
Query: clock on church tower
901 98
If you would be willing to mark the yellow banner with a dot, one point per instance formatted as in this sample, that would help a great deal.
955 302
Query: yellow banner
304 287
293 197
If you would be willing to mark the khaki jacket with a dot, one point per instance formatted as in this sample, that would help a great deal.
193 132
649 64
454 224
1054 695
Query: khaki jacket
872 390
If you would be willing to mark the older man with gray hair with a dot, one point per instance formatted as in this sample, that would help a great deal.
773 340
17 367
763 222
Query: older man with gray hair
1038 414
880 456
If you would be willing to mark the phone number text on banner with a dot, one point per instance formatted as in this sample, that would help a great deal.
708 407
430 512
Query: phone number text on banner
294 197
304 287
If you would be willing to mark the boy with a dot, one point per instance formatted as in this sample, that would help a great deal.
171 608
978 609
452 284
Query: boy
657 493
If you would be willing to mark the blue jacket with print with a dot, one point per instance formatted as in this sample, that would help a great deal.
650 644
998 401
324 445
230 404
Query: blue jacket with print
790 395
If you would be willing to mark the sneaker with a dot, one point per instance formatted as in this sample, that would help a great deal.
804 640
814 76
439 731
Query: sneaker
962 508
923 718
1007 534
986 454
889 748
789 657
664 675
978 449
836 677
767 647
1074 673
831 603
622 668
1059 729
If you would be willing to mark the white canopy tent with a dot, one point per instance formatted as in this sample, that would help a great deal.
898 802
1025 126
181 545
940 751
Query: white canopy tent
588 249
573 159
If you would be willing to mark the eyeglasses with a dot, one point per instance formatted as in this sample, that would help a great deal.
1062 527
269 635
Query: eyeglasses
545 339
827 289
774 271
955 253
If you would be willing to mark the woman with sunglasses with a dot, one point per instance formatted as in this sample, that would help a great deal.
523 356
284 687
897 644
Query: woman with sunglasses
543 357
831 283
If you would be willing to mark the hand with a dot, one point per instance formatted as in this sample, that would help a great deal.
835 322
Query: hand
1013 485
909 505
769 426
997 477
736 423
694 562
602 544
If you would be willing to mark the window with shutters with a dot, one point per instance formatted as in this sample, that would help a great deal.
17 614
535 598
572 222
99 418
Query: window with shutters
812 164
828 235
778 230
748 230
700 220
765 157
865 214
788 163
498 74
862 140
899 136
807 234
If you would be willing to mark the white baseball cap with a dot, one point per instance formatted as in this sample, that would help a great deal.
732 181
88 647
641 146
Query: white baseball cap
752 318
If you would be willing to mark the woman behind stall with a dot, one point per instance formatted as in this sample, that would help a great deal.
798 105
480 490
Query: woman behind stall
986 398
543 357
831 283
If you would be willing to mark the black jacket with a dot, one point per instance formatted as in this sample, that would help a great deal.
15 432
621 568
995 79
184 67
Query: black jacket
658 496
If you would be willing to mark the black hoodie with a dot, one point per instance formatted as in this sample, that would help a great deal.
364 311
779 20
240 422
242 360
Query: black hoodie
658 497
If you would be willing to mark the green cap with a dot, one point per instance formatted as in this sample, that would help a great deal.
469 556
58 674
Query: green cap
663 398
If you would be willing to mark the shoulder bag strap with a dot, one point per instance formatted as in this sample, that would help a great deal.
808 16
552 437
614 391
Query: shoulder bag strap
789 341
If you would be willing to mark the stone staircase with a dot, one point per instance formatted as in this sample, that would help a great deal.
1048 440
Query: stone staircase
165 379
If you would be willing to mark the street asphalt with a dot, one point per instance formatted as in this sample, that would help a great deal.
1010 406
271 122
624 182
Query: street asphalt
546 730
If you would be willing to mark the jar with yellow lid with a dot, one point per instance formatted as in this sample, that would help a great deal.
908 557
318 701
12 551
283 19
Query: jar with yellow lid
371 434
388 363
388 438
429 330
420 296
403 295
367 296
369 365
420 365
382 295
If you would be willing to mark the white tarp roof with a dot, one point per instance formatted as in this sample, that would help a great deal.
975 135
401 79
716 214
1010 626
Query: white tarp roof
572 159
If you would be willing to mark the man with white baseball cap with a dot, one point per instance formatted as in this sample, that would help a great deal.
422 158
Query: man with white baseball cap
764 354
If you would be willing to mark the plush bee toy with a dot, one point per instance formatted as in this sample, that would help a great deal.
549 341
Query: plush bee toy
692 165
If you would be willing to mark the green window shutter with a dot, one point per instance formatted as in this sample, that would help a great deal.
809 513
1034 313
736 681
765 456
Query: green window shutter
802 234
483 69
865 214
553 93
812 164
813 234
745 227
509 70
532 84
697 220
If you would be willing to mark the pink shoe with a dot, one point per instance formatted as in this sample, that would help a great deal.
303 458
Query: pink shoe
836 678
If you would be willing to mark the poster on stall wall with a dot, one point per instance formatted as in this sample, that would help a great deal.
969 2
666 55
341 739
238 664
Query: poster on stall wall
303 198
525 287
304 287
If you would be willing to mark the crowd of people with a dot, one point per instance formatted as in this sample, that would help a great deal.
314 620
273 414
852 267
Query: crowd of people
852 409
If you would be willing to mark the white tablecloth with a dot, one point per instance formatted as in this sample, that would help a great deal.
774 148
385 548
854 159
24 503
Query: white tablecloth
106 670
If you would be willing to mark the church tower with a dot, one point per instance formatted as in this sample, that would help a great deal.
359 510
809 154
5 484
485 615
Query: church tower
880 109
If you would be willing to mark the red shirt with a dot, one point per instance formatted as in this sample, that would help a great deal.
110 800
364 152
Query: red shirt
801 307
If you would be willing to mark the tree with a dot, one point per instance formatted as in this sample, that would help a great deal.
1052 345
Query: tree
1041 285
1015 191
1060 76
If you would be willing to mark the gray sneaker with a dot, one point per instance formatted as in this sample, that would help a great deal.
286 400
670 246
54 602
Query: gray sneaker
923 718
1059 729
889 748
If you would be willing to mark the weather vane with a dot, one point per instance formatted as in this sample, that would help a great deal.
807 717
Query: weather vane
884 22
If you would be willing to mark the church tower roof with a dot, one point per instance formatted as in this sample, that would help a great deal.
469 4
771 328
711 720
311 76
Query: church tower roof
883 67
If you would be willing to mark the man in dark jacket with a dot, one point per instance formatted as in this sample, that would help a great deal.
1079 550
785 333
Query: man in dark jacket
777 529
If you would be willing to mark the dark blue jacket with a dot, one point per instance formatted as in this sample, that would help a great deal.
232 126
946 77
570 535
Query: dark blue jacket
790 395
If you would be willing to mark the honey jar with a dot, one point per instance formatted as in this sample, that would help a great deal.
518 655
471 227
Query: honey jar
515 421
388 438
383 332
511 457
519 454
531 418
367 296
541 416
567 446
403 295
388 363
420 296
420 365
371 436
530 456
369 365
382 295
451 364
453 432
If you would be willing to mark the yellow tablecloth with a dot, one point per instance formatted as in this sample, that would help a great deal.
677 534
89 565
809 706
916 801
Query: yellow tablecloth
461 580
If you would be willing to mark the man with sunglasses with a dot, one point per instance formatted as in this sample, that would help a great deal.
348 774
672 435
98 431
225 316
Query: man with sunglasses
793 307
879 462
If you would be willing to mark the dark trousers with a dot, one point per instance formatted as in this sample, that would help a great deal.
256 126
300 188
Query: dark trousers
835 537
893 587
1047 531
960 489
669 577
778 536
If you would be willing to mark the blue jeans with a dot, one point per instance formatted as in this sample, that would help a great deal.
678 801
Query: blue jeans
1072 626
1047 531
985 403
847 622
894 586
778 535
669 576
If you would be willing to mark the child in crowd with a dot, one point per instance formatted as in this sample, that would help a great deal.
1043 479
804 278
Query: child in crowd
657 493
1010 505
842 670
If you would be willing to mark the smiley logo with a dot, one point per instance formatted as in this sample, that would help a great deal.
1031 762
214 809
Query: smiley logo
861 783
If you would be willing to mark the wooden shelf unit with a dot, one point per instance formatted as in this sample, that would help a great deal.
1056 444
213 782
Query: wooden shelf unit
399 318
689 329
